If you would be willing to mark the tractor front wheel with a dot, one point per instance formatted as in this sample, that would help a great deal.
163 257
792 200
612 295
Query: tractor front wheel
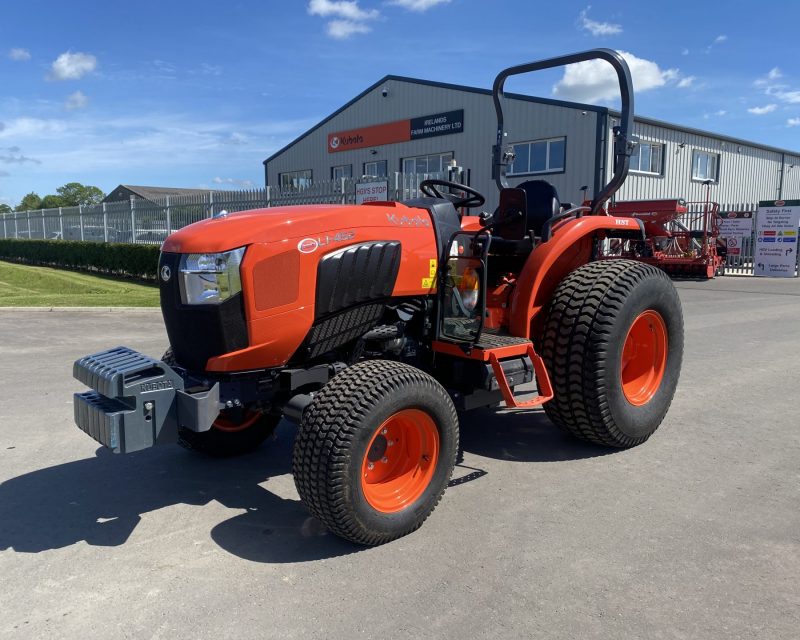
613 346
234 432
375 451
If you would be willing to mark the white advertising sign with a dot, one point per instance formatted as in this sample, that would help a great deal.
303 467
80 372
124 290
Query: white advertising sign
776 238
372 191
734 227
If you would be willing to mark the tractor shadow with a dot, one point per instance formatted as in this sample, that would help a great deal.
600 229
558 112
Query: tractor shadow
101 500
522 436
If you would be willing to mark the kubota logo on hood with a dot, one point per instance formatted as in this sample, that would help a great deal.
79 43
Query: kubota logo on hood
307 245
335 142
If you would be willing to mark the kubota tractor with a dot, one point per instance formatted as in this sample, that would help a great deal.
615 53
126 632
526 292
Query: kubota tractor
372 326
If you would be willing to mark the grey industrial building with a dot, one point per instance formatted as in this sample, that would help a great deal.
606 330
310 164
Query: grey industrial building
407 125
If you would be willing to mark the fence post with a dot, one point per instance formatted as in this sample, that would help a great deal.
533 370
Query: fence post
344 196
29 225
80 218
210 204
5 233
105 224
61 223
44 227
268 194
133 219
169 218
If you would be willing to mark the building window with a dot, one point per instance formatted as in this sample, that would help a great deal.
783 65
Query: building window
295 179
705 166
342 171
376 169
647 157
539 156
435 163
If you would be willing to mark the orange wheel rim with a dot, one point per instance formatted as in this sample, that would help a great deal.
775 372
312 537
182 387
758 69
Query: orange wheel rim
644 358
223 424
400 460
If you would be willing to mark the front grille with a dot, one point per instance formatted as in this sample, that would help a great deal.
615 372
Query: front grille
202 331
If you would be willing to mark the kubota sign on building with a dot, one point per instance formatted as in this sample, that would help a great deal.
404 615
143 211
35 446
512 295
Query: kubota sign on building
438 124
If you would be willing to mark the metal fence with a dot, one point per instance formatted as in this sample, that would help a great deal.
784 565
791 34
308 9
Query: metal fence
151 221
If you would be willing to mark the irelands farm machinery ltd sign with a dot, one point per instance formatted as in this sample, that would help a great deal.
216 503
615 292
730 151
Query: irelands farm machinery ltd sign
437 124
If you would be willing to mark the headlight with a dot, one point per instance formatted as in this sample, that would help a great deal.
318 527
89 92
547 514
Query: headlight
210 278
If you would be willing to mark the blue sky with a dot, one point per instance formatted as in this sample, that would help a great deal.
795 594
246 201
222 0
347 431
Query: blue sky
197 94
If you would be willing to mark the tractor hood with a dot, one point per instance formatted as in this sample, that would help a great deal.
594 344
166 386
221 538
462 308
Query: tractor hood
281 223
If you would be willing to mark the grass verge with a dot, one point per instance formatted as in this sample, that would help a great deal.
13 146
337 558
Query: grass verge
29 286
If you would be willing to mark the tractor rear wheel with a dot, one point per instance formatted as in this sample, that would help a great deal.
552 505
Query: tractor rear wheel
234 432
613 346
375 450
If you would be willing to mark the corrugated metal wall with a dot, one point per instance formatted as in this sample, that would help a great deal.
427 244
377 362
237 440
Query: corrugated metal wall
747 172
473 148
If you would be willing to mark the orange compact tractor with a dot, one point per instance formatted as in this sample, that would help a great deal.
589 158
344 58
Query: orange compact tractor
372 326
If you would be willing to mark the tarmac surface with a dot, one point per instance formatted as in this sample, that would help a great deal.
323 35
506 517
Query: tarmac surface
695 534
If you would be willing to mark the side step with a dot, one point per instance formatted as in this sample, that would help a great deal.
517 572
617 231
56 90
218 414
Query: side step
491 349
542 381
133 402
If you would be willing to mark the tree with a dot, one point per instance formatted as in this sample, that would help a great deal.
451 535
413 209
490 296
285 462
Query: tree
53 202
30 202
4 208
74 193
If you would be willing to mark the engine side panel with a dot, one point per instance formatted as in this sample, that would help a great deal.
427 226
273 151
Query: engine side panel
280 306
359 273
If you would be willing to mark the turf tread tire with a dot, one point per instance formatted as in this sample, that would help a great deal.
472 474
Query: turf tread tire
580 349
330 445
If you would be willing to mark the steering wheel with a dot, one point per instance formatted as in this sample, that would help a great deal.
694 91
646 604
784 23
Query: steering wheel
473 199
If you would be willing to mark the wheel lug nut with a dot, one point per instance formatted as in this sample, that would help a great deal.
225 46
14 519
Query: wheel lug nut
370 466
390 443
384 432
384 460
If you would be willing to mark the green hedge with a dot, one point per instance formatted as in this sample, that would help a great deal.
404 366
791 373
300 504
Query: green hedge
136 260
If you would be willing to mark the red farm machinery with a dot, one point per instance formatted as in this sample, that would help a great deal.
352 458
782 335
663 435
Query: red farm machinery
682 238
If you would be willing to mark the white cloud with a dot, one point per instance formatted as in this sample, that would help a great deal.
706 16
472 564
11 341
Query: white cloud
210 69
242 184
343 29
349 18
780 92
716 114
418 5
793 122
596 81
77 100
597 28
774 74
19 55
685 83
760 111
346 9
684 52
718 40
72 66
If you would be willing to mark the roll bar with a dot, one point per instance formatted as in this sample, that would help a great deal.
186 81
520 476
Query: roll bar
623 144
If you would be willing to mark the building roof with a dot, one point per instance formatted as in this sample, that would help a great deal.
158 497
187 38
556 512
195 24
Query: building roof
536 99
148 193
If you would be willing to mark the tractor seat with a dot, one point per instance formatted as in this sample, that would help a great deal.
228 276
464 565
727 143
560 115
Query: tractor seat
523 211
